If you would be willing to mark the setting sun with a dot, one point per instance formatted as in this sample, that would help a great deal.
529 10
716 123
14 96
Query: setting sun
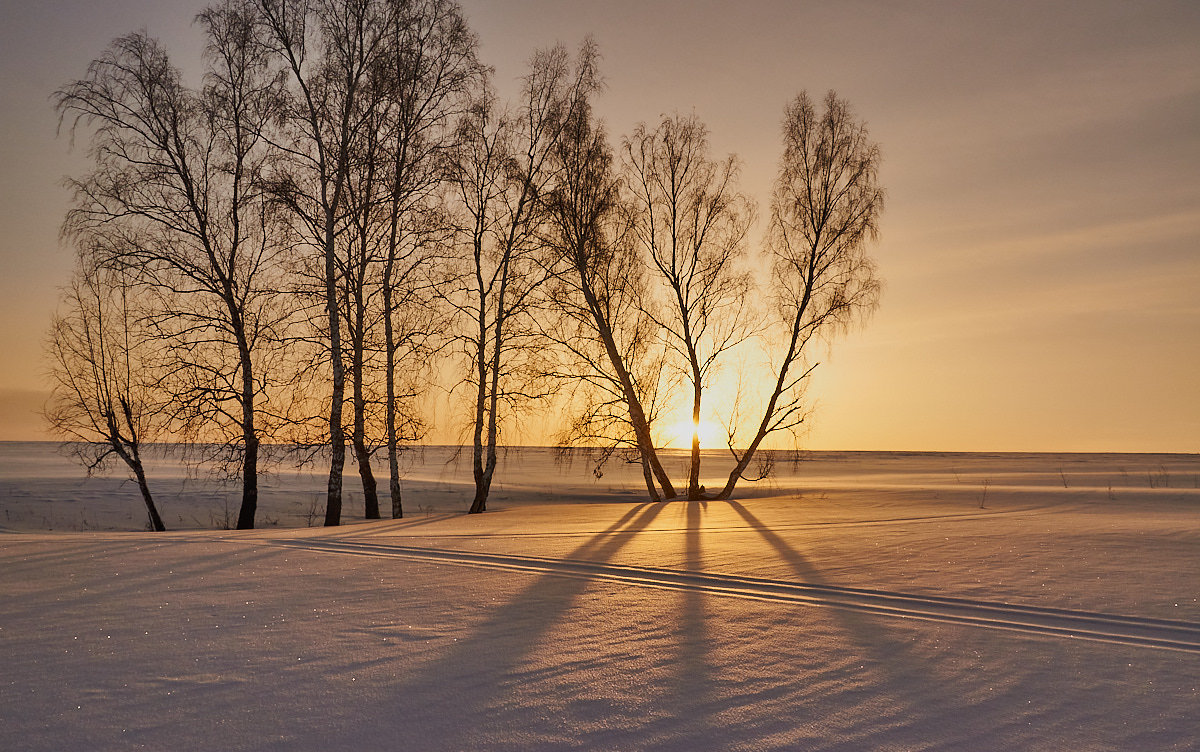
681 434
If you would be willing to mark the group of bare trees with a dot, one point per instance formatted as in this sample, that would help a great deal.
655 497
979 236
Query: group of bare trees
657 281
272 223
344 212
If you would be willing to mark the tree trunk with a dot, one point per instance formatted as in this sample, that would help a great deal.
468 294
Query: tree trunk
130 456
742 464
397 510
694 466
249 484
764 426
641 429
483 475
479 504
485 467
637 416
337 433
394 480
370 487
156 522
361 454
250 442
487 405
389 346
482 490
648 475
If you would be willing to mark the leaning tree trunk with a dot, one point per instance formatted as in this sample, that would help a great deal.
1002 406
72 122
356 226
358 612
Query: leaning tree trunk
764 426
637 415
133 459
155 520
648 475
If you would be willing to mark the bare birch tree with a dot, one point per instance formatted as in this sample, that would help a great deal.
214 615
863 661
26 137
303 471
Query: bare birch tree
330 49
824 211
417 83
430 67
104 396
175 194
499 168
361 245
613 353
691 222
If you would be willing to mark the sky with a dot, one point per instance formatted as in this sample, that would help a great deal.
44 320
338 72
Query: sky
1041 240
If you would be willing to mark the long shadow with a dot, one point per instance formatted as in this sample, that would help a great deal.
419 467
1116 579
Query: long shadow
389 526
690 704
54 570
186 569
923 702
33 555
467 696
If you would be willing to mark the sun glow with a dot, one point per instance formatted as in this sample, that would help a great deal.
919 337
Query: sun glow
710 434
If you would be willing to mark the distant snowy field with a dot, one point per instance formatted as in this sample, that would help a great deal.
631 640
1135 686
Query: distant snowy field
853 601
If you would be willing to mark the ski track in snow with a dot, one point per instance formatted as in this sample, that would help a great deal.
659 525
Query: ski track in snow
1032 620
397 527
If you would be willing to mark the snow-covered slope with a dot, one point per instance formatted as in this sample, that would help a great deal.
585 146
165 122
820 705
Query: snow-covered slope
860 602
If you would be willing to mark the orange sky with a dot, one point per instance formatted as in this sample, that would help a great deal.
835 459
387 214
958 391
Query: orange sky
1041 242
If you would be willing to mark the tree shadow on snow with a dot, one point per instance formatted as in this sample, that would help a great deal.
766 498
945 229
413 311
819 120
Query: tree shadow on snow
483 691
915 702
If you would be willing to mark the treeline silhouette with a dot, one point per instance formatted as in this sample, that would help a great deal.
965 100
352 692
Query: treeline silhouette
344 216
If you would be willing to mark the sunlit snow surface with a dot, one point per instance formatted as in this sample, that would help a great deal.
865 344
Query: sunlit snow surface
852 602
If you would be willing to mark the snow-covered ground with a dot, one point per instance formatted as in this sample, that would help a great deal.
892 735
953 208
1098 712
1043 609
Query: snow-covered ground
854 601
